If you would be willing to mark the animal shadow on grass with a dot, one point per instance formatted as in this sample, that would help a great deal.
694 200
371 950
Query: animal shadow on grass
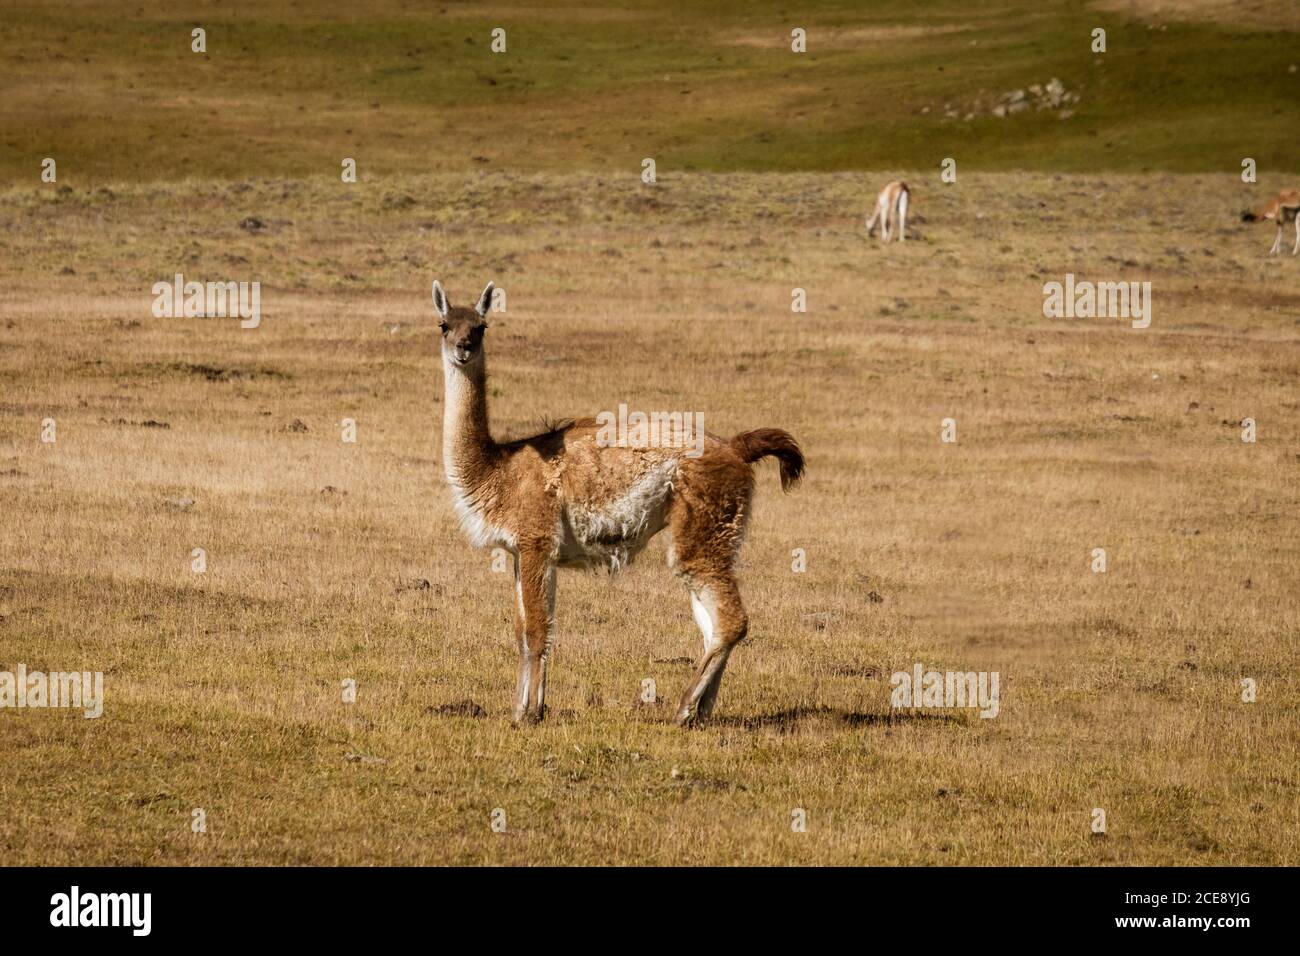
474 711
787 720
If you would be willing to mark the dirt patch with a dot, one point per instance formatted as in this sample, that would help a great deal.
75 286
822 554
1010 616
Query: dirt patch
148 423
461 708
217 373
822 39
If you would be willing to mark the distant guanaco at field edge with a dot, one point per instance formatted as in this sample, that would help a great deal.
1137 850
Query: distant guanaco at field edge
891 208
1282 209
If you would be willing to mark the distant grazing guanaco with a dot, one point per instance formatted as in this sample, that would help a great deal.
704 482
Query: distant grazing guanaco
891 206
567 498
1282 209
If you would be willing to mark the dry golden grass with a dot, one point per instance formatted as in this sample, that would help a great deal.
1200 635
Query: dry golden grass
1120 690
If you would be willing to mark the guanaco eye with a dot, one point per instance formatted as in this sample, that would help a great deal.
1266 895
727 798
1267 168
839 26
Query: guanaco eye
443 326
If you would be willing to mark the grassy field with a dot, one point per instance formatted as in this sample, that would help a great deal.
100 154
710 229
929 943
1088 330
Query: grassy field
1120 689
113 91
329 561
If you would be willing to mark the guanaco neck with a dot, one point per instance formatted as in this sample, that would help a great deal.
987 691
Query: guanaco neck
467 446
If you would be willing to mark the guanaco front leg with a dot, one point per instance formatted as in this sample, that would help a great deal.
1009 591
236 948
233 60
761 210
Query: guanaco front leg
534 627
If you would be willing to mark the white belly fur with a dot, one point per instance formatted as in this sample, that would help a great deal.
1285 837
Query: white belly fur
612 533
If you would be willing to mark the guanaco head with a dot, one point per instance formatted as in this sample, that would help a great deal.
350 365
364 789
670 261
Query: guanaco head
462 329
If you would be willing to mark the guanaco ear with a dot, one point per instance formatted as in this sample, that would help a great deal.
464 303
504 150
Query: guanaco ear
485 301
440 299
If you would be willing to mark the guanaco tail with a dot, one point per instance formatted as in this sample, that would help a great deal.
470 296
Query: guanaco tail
891 207
1282 209
569 497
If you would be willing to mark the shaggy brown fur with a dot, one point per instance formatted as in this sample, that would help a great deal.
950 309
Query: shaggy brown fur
567 498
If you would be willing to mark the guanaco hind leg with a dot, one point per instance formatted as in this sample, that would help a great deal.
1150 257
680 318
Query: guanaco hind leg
704 550
721 618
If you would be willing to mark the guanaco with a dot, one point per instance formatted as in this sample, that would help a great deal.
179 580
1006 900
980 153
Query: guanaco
1283 209
567 498
891 206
